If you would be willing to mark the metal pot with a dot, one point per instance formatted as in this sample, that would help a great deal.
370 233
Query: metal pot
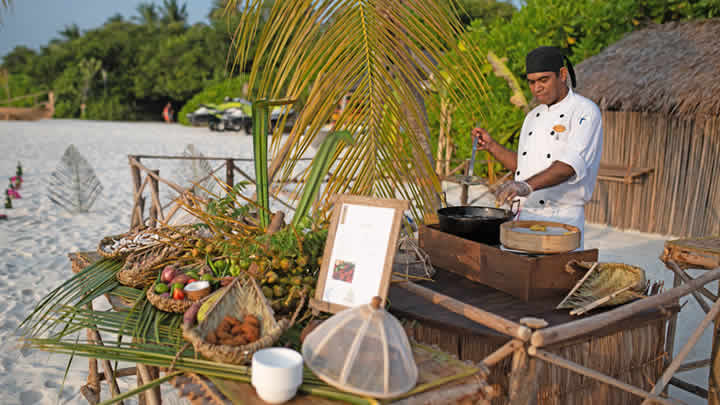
479 224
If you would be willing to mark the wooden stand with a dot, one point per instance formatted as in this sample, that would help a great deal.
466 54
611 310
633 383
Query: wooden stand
91 391
522 276
678 256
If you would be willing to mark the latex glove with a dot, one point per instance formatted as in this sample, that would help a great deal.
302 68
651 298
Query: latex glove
511 189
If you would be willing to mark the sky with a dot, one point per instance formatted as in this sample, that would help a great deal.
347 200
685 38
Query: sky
34 23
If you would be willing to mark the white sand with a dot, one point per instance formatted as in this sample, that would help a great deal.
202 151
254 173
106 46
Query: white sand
35 241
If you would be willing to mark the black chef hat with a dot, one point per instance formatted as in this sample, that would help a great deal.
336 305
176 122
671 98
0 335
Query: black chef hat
548 59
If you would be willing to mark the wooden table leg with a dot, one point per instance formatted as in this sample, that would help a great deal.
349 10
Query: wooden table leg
141 396
91 391
714 377
152 397
672 325
523 389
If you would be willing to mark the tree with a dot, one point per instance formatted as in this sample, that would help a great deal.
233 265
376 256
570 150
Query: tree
487 11
147 14
173 13
380 52
88 69
117 17
70 32
19 59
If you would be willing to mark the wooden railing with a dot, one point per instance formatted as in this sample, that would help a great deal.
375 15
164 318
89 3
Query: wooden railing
157 212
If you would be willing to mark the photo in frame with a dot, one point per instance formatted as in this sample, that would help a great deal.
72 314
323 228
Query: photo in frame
359 252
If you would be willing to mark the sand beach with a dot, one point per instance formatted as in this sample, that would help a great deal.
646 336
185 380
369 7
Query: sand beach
35 240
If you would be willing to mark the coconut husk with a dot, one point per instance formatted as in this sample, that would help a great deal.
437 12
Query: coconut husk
603 280
240 298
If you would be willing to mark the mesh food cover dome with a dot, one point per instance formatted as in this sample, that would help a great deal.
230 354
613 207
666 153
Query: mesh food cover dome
363 350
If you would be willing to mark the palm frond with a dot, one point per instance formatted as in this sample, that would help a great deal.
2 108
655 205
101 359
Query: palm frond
380 52
90 283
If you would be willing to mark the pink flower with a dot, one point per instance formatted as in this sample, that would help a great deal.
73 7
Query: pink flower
13 193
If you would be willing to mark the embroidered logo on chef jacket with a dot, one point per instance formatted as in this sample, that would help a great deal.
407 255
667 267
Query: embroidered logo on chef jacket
581 120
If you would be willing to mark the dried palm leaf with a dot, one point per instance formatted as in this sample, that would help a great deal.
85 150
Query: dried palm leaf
618 281
73 184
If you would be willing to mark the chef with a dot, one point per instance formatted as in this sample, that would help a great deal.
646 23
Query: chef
558 155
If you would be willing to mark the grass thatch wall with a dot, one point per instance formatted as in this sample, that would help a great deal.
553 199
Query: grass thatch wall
660 97
634 356
682 196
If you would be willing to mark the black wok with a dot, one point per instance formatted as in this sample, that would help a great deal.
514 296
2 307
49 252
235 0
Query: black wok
479 224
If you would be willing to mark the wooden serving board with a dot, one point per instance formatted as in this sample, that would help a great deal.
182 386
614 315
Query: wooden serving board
554 238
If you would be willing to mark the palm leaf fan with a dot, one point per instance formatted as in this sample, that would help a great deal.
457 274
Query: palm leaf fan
73 184
621 282
379 52
197 172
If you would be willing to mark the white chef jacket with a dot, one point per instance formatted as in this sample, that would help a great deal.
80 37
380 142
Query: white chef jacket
569 131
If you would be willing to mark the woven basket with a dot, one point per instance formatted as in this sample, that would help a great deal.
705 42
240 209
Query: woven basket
168 304
140 268
109 240
80 260
241 297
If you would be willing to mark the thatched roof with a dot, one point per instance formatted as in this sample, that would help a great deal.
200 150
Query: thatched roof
669 68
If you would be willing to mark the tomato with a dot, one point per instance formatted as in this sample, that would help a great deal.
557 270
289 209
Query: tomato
192 280
178 294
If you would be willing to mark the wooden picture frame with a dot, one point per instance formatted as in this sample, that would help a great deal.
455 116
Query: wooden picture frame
359 252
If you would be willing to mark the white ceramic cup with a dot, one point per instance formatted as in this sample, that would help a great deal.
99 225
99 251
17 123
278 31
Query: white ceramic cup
277 372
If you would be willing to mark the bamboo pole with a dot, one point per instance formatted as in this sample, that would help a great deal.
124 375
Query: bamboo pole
230 172
502 352
577 368
155 208
523 386
714 374
685 278
448 141
470 312
151 396
441 139
91 391
692 365
691 388
170 184
453 394
672 368
139 202
570 330
671 329
119 373
107 367
140 383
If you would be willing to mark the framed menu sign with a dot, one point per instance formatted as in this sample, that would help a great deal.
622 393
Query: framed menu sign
359 252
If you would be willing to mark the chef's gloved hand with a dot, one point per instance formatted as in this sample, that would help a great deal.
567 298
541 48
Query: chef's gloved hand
511 189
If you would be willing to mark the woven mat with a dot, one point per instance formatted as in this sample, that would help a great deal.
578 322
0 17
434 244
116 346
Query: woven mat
707 245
